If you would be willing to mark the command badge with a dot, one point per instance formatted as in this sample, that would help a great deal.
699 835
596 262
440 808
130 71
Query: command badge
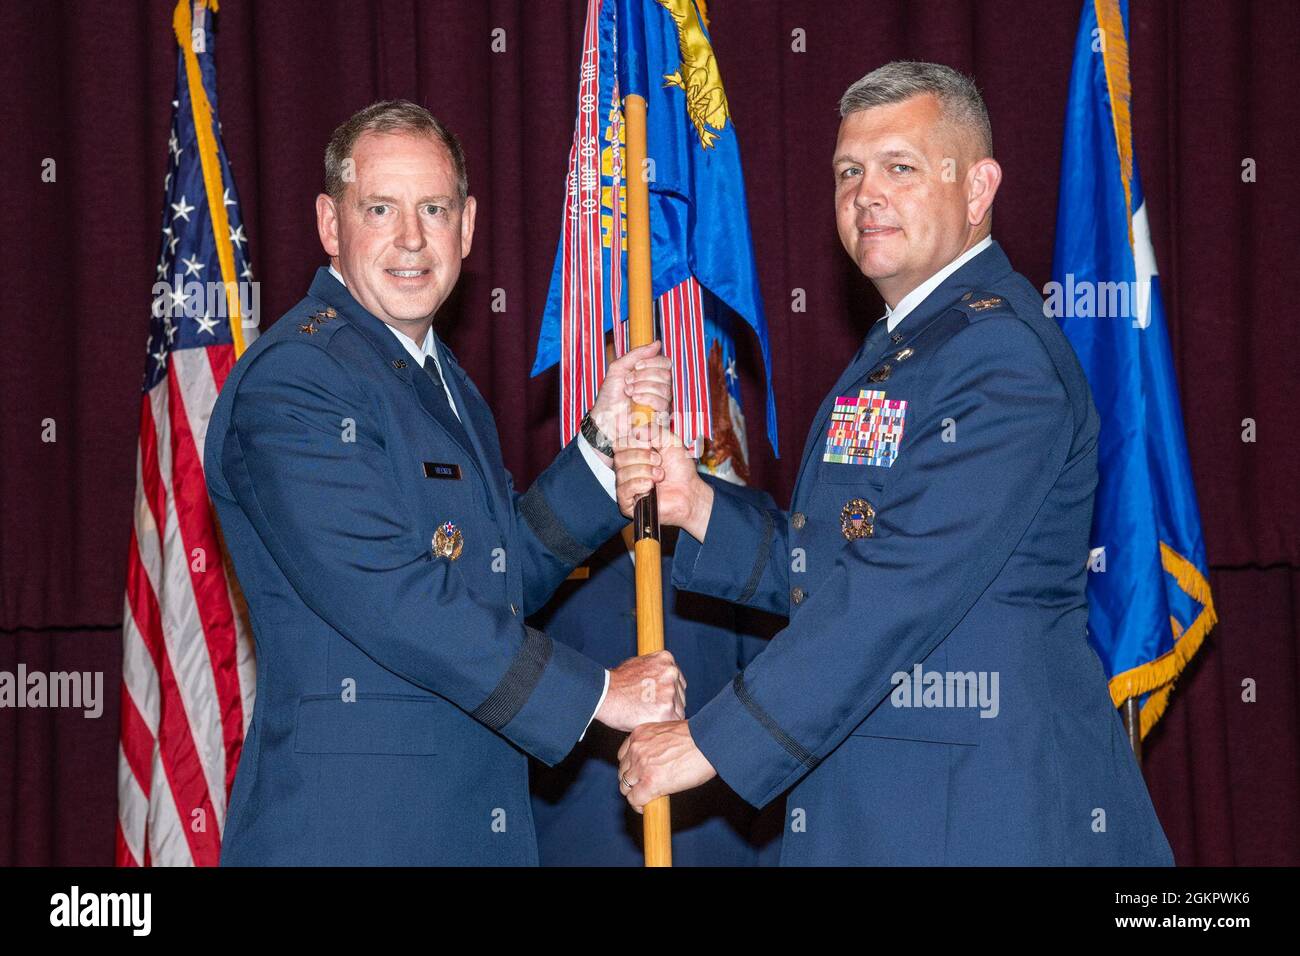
989 303
857 519
448 541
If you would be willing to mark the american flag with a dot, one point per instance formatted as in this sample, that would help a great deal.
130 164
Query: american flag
188 668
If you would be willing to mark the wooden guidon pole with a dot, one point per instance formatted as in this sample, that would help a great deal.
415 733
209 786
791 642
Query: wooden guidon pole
641 329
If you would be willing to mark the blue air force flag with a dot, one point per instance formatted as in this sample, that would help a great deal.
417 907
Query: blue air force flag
1149 599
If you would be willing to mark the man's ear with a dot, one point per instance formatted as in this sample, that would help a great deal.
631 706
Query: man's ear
982 181
467 225
327 225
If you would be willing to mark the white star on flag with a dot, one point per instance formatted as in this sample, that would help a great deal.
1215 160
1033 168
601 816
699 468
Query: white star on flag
181 211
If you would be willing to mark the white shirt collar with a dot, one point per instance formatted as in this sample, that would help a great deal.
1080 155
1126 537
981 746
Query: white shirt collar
918 295
417 352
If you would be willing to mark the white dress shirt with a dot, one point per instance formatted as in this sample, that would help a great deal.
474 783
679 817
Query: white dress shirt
918 295
598 467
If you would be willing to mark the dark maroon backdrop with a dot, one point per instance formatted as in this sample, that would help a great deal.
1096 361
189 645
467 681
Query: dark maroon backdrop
90 86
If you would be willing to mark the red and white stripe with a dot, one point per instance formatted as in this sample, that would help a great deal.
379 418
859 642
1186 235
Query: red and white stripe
188 667
681 321
587 300
582 313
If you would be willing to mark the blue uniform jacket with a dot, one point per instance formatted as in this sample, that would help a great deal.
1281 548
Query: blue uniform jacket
972 573
582 818
397 689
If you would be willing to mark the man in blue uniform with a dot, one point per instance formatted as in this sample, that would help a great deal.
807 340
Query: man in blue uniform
387 561
933 699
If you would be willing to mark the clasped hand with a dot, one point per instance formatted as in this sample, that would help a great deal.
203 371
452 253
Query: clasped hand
661 758
647 695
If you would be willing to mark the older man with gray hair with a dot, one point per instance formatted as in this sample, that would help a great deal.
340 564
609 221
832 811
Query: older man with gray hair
934 699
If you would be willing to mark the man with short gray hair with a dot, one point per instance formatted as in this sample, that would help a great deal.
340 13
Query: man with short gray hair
934 699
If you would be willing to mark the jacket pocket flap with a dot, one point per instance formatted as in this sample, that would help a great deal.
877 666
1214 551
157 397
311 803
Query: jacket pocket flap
941 724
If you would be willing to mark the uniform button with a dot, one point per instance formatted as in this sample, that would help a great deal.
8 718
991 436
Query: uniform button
798 519
514 610
796 595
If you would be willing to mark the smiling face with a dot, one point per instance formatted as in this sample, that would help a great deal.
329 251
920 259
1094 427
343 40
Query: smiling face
399 231
912 192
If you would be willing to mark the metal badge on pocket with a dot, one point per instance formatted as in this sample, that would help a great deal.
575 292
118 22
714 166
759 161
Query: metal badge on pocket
865 429
448 541
857 519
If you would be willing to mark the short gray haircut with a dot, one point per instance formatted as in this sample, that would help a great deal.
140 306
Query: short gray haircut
901 80
389 116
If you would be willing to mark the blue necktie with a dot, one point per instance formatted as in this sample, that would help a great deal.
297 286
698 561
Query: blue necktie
443 410
871 344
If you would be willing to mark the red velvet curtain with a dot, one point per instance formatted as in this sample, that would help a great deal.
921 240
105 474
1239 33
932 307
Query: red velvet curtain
90 87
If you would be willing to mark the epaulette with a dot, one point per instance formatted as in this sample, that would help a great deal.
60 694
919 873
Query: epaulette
317 324
981 304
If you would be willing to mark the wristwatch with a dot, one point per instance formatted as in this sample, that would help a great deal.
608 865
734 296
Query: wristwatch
596 437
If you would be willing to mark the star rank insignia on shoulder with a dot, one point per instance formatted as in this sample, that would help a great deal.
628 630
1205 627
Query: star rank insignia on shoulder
313 323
